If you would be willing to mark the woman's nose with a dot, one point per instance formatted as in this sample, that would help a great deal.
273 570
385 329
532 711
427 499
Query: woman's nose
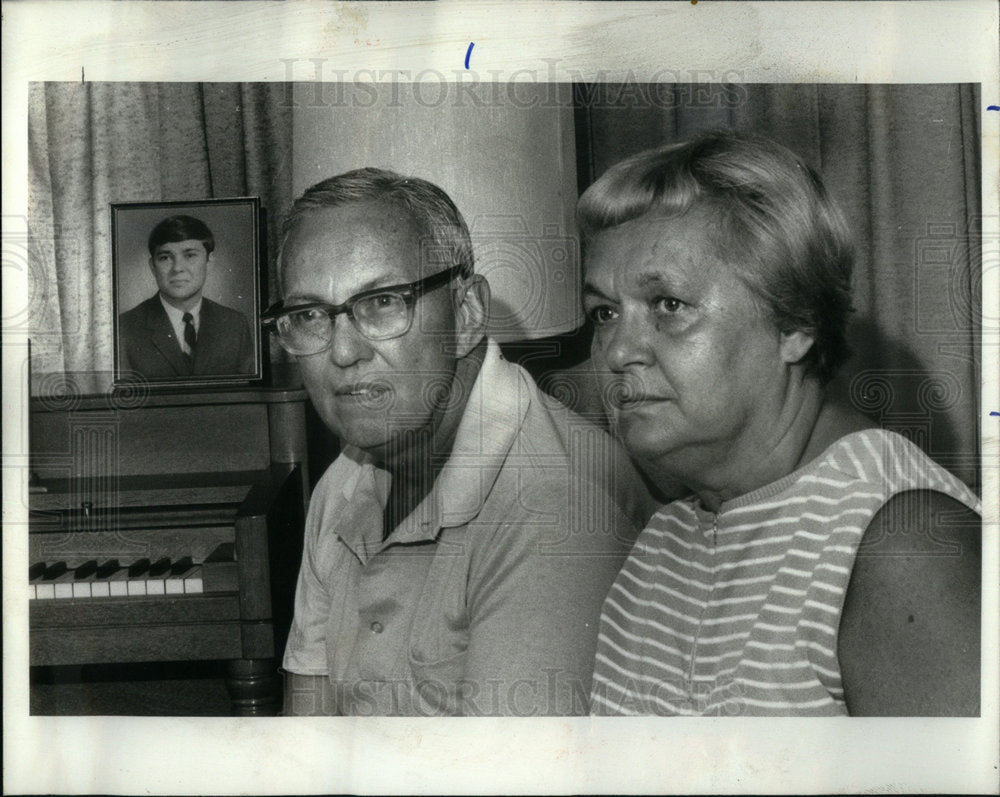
626 343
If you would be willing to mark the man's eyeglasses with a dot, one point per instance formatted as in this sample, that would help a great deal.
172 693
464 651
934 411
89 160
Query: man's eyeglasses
378 314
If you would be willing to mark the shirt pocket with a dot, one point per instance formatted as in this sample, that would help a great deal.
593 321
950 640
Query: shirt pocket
438 686
439 637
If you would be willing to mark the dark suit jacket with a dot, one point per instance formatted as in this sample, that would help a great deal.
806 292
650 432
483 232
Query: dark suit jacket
149 345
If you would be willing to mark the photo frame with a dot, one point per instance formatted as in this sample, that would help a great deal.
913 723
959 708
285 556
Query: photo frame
168 258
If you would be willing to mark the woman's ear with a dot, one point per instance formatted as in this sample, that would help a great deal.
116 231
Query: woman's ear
472 312
795 344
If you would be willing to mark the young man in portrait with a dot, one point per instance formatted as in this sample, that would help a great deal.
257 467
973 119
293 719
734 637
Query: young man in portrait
179 332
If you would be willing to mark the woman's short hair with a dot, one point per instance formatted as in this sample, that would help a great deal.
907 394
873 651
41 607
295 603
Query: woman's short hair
175 229
438 221
773 215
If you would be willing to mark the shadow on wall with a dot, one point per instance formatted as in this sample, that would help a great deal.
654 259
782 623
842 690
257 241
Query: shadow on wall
886 381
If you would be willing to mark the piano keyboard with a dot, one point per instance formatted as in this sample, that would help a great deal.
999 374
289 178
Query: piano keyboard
111 579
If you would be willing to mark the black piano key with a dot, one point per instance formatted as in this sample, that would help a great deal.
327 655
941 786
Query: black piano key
159 567
37 570
181 566
176 581
86 570
108 568
118 582
138 567
54 570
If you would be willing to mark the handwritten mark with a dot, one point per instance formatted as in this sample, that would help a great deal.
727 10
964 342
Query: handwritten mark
988 107
995 414
468 53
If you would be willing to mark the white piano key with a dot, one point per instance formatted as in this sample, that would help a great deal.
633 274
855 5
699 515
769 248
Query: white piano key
117 585
119 582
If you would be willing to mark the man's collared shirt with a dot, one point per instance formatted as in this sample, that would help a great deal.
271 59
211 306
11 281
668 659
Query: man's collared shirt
177 322
485 599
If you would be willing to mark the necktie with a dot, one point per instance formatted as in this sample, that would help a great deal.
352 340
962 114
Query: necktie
190 336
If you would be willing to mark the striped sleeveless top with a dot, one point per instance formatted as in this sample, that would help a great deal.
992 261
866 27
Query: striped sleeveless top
736 613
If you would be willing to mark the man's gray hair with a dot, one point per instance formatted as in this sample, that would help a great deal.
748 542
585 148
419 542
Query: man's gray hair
445 240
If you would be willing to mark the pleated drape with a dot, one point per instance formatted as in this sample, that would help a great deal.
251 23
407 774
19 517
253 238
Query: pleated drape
903 161
92 144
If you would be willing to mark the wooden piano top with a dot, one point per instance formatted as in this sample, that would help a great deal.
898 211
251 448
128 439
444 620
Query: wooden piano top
149 490
126 397
171 431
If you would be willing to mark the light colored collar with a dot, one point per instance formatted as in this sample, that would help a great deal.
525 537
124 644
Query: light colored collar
176 316
493 415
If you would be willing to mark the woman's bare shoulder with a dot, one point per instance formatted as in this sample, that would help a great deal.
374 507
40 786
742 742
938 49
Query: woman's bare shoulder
909 632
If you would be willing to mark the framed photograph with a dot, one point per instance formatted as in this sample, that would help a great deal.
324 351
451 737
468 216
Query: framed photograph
187 291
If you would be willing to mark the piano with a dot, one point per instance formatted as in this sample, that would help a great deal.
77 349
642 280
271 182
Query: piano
166 526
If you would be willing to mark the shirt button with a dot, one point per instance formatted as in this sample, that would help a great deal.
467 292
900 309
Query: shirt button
376 627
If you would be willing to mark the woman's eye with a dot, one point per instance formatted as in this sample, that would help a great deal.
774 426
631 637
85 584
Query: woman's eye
667 304
602 314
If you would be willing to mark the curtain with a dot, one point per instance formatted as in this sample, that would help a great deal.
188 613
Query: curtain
903 162
91 144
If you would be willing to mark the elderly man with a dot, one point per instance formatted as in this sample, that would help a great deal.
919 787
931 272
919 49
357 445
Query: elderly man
458 550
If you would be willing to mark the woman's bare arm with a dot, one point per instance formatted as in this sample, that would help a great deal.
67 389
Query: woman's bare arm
909 632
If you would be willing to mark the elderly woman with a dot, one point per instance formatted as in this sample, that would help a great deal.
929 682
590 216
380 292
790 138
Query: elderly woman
718 278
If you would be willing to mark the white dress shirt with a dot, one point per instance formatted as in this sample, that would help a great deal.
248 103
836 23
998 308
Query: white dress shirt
176 317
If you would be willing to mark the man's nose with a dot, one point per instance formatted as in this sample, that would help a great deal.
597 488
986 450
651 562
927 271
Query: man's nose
347 345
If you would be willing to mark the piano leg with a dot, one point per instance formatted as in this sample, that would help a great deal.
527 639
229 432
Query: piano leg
254 687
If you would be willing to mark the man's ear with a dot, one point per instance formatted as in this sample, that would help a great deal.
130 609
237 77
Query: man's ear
795 344
472 312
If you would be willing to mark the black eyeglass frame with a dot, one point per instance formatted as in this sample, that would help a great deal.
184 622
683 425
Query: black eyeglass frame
410 292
